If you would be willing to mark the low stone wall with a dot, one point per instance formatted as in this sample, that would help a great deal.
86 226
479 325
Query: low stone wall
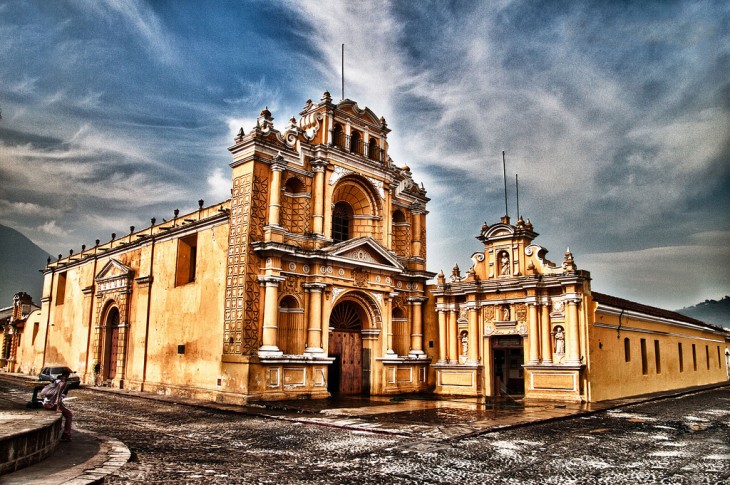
27 438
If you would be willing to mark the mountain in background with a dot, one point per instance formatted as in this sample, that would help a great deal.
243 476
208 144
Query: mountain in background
20 260
710 311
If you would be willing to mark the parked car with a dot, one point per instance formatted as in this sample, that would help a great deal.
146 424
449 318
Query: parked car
52 373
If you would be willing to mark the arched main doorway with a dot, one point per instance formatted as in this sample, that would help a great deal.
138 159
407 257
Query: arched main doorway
350 372
111 344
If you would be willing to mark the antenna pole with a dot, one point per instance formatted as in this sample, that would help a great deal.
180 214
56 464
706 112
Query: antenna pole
343 71
517 189
504 172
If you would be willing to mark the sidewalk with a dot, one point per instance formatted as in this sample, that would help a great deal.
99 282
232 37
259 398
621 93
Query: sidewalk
88 458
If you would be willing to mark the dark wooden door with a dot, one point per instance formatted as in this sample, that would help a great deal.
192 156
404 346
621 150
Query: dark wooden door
346 372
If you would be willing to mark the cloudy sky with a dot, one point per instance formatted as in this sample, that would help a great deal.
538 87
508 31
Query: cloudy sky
614 115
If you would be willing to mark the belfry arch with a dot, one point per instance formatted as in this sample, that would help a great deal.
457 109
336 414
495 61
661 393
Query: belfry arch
356 198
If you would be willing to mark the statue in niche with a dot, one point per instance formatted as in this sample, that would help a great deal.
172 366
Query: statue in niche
504 263
464 343
559 340
505 313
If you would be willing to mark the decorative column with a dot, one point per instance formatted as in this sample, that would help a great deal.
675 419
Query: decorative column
533 329
453 338
545 338
416 328
275 203
318 167
314 330
442 336
271 316
573 340
417 212
472 354
388 325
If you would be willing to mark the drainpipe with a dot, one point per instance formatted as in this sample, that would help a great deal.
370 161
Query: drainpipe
48 322
91 313
149 303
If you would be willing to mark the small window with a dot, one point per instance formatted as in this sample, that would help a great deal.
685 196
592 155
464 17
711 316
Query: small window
61 288
719 362
681 357
707 354
657 357
694 357
373 150
341 217
644 361
627 350
187 259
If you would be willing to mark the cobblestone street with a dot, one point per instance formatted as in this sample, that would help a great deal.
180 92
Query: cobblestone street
676 440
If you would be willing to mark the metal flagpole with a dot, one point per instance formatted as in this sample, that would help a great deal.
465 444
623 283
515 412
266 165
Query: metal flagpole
504 171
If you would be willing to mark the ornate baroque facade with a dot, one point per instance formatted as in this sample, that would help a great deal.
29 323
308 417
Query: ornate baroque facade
311 279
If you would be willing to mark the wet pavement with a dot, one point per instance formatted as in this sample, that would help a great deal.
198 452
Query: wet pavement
678 438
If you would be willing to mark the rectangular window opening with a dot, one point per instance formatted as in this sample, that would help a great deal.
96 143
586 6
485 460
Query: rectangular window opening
681 357
657 357
719 362
187 259
644 362
707 355
694 357
627 350
61 288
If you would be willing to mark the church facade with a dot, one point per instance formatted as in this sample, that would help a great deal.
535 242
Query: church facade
518 324
311 280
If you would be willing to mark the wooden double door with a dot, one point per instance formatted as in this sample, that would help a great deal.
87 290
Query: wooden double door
350 372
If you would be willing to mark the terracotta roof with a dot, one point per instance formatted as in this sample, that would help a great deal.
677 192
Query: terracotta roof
648 310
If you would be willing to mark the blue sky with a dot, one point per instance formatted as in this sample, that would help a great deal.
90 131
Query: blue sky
614 115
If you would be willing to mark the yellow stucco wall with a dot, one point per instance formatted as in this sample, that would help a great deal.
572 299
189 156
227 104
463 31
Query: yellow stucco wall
611 374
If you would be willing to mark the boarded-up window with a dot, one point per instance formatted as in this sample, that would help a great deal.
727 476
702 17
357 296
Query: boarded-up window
61 288
187 259
292 335
401 334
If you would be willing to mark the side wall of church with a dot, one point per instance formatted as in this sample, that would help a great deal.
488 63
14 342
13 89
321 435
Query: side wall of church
169 334
631 355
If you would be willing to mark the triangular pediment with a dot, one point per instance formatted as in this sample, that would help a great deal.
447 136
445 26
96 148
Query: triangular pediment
113 269
365 251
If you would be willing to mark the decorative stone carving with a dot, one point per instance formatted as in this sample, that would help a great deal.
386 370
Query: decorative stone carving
338 173
488 313
361 277
521 312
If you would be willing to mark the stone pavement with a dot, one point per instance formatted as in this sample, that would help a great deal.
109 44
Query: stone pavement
89 456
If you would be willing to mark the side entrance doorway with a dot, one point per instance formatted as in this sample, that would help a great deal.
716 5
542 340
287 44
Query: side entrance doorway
350 372
507 365
111 344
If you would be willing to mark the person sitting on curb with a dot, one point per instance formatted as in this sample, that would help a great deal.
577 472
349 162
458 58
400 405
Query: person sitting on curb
53 399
